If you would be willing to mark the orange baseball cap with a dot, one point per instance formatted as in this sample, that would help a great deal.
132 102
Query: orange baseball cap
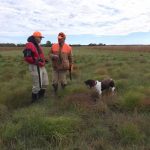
61 35
38 34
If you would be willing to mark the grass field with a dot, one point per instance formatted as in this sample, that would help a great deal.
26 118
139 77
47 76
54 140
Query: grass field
73 120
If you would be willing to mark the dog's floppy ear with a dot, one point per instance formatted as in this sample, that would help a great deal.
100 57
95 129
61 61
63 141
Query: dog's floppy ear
85 82
93 83
90 83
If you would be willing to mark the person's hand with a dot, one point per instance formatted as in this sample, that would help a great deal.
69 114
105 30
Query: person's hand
40 60
54 57
46 60
71 67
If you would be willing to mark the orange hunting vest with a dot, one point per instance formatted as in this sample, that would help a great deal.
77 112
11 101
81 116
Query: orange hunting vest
65 49
66 56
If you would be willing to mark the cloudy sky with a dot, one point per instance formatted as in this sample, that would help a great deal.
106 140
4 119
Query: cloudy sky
83 21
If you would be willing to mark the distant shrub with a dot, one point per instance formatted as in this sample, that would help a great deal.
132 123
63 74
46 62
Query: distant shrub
130 134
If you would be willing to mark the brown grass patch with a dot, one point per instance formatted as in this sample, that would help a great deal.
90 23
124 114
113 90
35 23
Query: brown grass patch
81 100
5 48
90 101
126 48
145 102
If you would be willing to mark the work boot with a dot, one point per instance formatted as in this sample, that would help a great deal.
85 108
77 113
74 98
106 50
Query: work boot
41 93
63 86
55 87
35 97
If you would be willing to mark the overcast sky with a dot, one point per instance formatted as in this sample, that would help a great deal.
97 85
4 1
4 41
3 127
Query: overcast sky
83 21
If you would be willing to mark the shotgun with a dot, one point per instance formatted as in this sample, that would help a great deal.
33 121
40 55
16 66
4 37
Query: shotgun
70 75
38 69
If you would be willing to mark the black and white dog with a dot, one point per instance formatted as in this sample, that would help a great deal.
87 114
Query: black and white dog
100 86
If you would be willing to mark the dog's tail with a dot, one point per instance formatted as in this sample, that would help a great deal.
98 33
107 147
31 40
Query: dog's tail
112 83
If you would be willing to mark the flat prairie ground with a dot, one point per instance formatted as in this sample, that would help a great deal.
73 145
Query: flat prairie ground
76 118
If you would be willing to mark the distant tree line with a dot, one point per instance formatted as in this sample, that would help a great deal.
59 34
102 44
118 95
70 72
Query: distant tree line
91 44
8 45
94 44
75 45
47 44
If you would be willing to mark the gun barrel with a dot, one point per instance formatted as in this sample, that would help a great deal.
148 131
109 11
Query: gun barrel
70 75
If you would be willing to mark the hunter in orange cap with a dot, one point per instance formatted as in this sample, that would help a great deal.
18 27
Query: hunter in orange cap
62 61
34 56
61 35
38 34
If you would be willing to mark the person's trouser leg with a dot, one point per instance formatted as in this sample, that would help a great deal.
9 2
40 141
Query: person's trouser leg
63 79
44 81
35 82
55 80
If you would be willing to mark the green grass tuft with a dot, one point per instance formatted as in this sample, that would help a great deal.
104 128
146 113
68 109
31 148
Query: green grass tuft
131 100
130 134
53 129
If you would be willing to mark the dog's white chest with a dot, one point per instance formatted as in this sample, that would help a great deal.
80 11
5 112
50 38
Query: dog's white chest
98 87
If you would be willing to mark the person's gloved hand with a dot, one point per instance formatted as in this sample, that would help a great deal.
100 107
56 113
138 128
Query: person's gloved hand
54 57
46 61
40 60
